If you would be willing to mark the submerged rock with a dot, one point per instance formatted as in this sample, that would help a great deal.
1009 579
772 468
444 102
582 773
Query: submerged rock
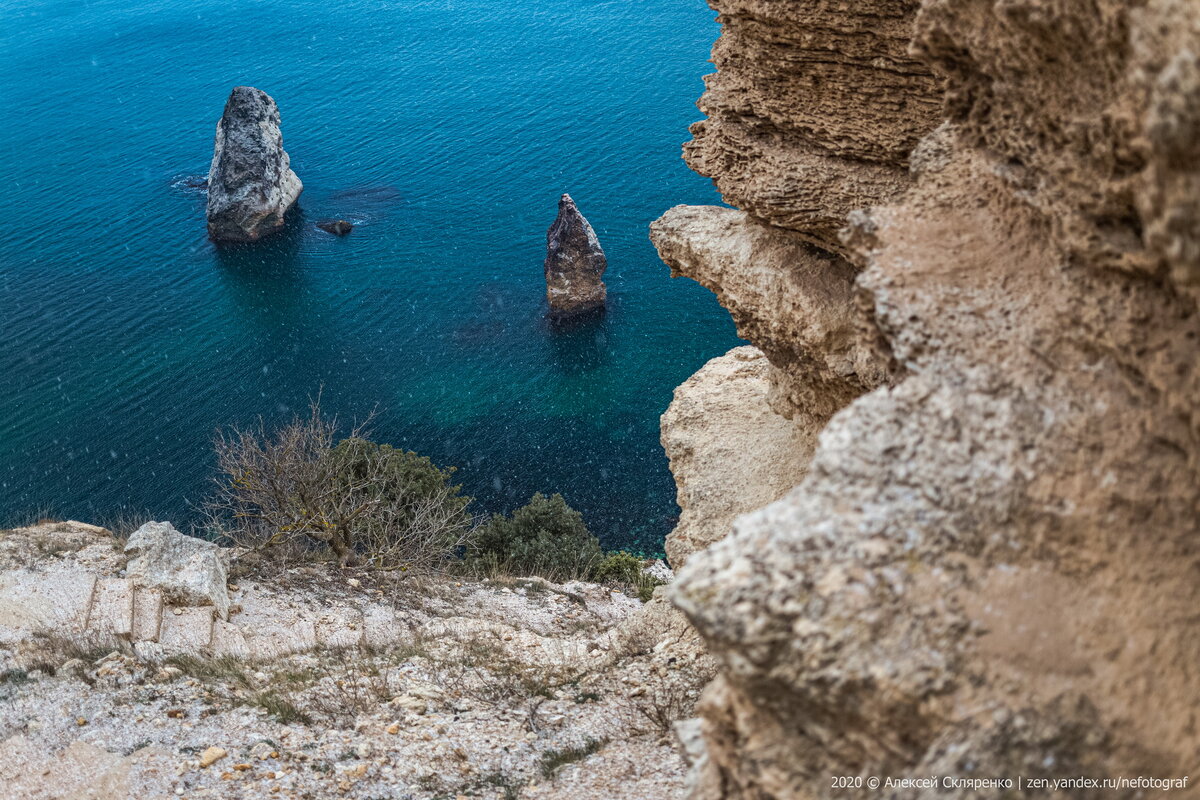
338 227
575 263
250 183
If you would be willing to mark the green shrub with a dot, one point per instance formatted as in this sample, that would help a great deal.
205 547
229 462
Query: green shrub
295 493
619 567
628 571
546 537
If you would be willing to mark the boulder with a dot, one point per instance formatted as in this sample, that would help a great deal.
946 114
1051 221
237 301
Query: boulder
188 571
575 263
250 183
338 227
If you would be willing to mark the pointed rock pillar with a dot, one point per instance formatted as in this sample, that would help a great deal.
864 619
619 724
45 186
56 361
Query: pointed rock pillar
250 183
575 263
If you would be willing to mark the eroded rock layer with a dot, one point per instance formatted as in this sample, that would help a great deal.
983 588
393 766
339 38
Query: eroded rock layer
813 110
794 301
730 453
990 567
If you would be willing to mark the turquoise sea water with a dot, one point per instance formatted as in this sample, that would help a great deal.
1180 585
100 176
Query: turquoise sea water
446 129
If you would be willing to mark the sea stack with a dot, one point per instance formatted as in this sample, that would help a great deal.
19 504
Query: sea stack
250 183
575 263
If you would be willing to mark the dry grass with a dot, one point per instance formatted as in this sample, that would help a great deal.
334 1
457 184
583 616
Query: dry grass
224 669
280 707
123 524
49 651
483 667
322 687
43 515
554 760
663 703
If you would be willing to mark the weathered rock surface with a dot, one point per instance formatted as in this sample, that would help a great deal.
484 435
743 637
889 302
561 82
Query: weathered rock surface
794 301
989 568
575 263
251 184
730 453
813 110
187 570
324 685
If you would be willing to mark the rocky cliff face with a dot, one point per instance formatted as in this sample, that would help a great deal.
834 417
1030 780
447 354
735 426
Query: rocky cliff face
251 184
730 452
989 566
813 110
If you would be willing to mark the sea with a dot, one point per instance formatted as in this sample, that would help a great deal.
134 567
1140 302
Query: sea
445 130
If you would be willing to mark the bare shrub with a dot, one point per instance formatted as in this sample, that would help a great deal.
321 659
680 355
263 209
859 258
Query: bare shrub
482 667
299 493
123 524
347 690
664 701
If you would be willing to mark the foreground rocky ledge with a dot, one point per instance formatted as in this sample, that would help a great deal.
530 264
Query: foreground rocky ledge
325 682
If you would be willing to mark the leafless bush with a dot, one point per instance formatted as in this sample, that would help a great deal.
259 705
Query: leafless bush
662 703
482 667
434 527
347 692
297 492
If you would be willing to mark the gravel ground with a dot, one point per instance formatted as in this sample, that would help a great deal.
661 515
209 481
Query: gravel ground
503 690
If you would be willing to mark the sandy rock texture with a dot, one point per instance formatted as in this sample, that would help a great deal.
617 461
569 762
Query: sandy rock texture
813 110
575 263
989 567
730 453
251 184
794 301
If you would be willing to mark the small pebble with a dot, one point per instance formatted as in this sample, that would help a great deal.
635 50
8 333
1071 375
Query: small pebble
211 756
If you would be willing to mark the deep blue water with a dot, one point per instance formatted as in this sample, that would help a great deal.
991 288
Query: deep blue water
447 130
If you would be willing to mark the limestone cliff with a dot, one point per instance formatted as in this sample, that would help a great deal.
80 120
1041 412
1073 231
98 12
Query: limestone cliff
989 566
813 109
730 453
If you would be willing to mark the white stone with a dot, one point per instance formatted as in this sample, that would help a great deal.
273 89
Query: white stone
36 601
188 632
112 608
189 571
